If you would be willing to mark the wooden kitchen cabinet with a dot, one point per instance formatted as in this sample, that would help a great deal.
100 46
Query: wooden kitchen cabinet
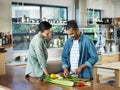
109 32
2 63
116 20
3 58
109 29
109 58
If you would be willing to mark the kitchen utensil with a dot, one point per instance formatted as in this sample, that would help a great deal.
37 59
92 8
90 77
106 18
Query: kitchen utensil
71 73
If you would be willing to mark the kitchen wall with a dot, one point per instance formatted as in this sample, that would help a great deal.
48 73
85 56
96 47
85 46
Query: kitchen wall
117 8
5 16
107 6
110 8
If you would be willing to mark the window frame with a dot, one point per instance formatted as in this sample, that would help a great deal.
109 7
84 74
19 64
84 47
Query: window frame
95 10
40 6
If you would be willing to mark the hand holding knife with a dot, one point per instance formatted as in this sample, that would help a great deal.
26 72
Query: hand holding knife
71 73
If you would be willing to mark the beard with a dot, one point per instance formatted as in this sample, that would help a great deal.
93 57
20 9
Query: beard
74 37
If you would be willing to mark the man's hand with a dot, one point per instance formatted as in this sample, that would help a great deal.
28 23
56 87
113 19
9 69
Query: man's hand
79 69
66 72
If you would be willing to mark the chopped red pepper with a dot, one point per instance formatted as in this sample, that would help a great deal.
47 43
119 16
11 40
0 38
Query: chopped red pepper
79 84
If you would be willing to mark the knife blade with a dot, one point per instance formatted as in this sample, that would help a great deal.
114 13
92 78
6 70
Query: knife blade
71 73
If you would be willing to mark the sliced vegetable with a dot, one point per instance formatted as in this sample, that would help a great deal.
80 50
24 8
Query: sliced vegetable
74 79
60 77
87 83
57 81
61 81
80 84
68 81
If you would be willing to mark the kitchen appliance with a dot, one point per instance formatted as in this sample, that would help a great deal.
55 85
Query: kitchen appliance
107 20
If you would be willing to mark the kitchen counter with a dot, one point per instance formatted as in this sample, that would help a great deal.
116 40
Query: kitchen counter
108 57
109 69
15 80
108 53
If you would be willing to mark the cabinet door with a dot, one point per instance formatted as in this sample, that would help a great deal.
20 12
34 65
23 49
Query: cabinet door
2 63
110 58
116 22
2 58
105 58
115 58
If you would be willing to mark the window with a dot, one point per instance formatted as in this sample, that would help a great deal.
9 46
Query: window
26 17
59 13
93 14
23 31
92 28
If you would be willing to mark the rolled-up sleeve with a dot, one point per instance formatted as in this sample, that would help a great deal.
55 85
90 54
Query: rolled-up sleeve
65 57
93 56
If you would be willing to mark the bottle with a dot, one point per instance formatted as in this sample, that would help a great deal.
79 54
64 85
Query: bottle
0 40
10 38
6 38
3 40
8 35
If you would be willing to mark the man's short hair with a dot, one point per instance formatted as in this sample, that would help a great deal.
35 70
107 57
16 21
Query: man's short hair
72 24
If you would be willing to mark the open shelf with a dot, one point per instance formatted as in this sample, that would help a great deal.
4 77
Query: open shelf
7 46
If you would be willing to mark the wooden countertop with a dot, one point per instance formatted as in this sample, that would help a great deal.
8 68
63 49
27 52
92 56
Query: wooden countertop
15 80
7 46
109 53
112 66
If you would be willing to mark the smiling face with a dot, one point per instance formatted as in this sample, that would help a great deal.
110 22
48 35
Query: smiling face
73 34
47 33
72 30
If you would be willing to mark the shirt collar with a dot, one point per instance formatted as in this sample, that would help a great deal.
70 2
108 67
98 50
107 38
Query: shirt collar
81 35
41 36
